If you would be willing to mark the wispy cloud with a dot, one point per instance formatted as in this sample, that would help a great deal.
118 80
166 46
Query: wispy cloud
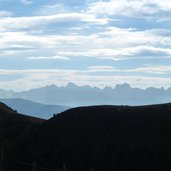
124 53
155 70
27 2
113 44
41 77
5 14
154 9
48 58
20 23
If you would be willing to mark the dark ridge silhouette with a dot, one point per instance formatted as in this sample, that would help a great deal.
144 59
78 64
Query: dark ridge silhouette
13 127
119 138
5 108
13 123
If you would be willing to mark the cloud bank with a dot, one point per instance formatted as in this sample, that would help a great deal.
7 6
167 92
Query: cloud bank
87 42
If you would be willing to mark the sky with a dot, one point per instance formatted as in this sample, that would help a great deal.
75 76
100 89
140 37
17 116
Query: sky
87 42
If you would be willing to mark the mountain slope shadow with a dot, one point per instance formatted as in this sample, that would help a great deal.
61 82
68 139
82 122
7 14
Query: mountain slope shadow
102 137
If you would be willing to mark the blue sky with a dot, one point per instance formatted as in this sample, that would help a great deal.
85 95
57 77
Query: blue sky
88 42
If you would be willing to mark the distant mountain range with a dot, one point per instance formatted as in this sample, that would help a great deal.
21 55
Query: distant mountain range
34 109
73 95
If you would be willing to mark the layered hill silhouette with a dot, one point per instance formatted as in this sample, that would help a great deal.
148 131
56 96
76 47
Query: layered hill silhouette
33 108
100 137
74 95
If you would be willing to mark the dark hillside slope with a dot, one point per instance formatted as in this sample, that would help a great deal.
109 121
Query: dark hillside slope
119 138
11 121
13 126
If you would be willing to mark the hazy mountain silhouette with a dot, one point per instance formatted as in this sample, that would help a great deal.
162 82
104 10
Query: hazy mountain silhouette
73 95
101 137
34 109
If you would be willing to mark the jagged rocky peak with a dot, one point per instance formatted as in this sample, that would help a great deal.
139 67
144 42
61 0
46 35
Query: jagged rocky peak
71 85
123 86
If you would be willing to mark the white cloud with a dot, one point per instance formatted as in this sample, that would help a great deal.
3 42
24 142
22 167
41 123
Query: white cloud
95 69
37 78
48 58
5 14
134 8
11 23
100 67
122 53
56 8
27 2
113 43
157 70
